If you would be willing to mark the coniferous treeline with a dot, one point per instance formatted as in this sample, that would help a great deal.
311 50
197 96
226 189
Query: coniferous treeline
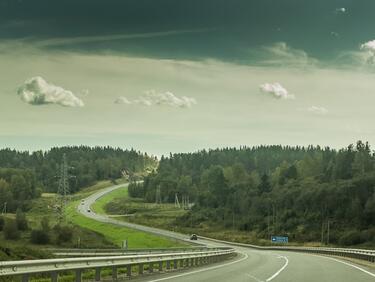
295 191
25 175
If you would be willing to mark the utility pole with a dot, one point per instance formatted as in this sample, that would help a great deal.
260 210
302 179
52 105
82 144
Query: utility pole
328 232
176 202
4 208
268 224
233 220
158 196
63 189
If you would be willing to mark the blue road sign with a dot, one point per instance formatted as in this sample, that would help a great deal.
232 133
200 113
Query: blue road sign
279 239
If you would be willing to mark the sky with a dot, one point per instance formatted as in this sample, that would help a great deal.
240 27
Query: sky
177 76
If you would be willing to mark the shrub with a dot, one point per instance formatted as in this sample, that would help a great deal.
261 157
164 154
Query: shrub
21 220
1 223
39 237
10 229
350 238
64 234
44 223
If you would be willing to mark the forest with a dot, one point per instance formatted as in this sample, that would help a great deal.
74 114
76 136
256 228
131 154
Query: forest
310 194
25 175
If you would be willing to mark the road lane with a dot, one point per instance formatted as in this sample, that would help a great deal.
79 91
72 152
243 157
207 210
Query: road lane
250 265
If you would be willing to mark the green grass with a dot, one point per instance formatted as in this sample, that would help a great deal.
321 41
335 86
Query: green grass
99 205
117 234
162 216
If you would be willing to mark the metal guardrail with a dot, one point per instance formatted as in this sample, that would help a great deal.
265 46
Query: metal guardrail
116 252
367 255
55 266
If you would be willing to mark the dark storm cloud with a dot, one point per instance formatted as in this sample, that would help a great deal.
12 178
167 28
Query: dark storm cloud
231 27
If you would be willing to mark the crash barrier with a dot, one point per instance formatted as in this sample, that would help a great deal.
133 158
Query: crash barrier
140 262
361 254
76 252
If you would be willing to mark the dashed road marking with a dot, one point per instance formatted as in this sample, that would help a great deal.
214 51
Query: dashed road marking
275 274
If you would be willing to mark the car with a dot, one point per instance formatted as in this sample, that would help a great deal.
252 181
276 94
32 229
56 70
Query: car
88 211
193 237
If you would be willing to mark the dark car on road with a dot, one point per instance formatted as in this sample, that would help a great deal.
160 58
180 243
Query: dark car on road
193 237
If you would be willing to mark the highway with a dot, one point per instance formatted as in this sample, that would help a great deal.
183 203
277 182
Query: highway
249 265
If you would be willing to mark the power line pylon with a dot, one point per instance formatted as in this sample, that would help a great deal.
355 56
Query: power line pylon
63 189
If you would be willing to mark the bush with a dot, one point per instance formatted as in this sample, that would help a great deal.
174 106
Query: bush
44 223
39 237
21 220
64 234
10 229
2 222
350 238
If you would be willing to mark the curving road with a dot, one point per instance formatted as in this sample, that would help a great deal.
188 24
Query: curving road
250 265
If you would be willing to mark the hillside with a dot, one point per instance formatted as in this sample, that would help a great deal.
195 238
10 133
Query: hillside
310 194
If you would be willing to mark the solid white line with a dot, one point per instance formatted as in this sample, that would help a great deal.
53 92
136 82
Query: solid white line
280 270
201 270
352 265
256 279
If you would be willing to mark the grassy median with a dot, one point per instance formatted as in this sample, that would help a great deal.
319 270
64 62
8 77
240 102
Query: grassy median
117 234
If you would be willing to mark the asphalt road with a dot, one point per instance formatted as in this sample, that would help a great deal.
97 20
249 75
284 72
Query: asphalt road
249 265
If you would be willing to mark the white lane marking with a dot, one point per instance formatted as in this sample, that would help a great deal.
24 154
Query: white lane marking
252 276
201 270
352 265
280 270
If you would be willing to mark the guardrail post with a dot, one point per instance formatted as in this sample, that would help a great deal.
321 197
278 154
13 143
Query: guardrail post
54 276
181 263
151 267
97 273
168 264
175 264
25 278
114 273
160 266
140 269
78 275
129 270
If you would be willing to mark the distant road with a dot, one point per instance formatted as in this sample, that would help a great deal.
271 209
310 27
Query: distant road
250 265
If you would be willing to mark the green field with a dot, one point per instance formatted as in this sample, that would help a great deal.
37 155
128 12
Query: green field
99 205
113 233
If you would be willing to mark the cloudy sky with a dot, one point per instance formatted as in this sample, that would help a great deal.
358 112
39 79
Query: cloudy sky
174 76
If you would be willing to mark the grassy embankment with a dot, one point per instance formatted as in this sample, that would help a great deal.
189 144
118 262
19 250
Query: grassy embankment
22 248
167 216
113 233
89 233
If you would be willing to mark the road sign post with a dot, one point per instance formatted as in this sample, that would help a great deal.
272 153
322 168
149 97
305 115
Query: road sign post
125 244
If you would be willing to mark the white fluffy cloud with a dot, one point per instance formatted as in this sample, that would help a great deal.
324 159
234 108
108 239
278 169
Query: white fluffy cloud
369 48
340 10
122 100
276 90
169 99
318 110
154 98
37 91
